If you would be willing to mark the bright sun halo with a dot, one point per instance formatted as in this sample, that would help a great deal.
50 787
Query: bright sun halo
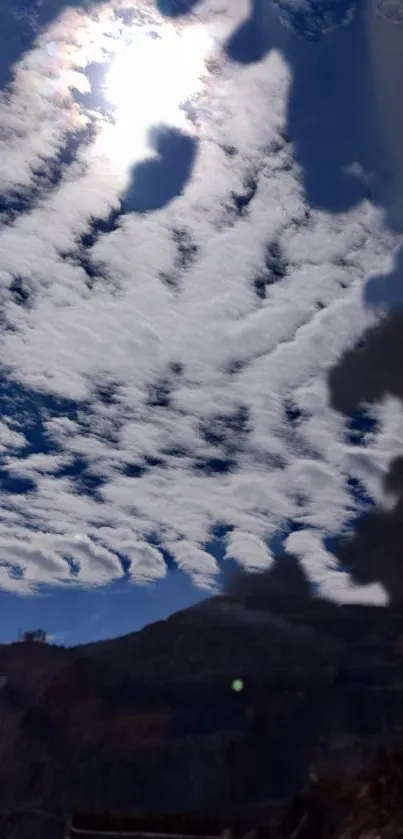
152 75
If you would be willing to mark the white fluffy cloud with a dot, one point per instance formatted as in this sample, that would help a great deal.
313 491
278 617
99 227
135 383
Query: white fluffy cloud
176 361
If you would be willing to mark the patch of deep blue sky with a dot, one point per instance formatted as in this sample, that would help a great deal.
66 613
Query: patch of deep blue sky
327 130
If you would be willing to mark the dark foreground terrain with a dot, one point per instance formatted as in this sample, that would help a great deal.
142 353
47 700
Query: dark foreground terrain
150 722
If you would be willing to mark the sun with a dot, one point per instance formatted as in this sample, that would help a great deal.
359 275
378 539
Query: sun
154 72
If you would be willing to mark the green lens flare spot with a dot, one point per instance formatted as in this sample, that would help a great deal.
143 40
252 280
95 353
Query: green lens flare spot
237 685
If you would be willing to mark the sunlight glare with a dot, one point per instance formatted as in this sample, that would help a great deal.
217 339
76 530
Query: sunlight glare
151 77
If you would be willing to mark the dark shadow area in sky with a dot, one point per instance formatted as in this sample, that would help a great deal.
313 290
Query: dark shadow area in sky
370 370
331 116
365 374
154 183
362 504
278 589
373 551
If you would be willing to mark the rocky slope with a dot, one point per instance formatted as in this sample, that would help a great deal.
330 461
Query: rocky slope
151 721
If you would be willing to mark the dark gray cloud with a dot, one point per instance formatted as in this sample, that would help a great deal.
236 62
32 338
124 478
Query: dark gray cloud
365 375
372 369
281 587
373 551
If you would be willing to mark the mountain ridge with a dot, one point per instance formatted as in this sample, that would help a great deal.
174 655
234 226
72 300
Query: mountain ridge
151 722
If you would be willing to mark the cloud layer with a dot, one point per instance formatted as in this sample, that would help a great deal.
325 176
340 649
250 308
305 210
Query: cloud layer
164 369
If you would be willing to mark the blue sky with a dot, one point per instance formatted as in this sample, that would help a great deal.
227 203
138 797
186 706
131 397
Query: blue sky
199 222
76 615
